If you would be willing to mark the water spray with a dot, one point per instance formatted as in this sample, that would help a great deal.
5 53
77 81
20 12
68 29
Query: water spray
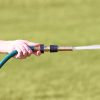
51 49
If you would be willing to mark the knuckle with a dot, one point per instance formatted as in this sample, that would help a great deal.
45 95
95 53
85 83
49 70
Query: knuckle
24 52
30 51
20 52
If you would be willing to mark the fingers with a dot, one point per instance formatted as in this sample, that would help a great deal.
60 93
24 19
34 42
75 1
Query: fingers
37 53
27 49
31 43
20 54
24 50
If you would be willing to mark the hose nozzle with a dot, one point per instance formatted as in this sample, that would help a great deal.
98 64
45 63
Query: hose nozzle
55 48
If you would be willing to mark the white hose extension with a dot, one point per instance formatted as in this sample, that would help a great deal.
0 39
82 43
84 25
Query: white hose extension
91 47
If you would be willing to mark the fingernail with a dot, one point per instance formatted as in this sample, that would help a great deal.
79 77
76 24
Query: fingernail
30 51
39 53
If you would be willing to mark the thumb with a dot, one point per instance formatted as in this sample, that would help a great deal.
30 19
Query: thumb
32 43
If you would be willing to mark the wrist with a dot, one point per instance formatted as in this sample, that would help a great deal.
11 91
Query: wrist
4 46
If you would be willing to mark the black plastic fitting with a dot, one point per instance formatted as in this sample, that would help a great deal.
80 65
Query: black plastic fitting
53 48
42 48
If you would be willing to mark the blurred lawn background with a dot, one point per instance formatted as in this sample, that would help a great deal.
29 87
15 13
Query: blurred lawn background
60 76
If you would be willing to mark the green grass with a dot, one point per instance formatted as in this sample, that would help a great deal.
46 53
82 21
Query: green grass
60 76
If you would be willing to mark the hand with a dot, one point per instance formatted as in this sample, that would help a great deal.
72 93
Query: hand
22 46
